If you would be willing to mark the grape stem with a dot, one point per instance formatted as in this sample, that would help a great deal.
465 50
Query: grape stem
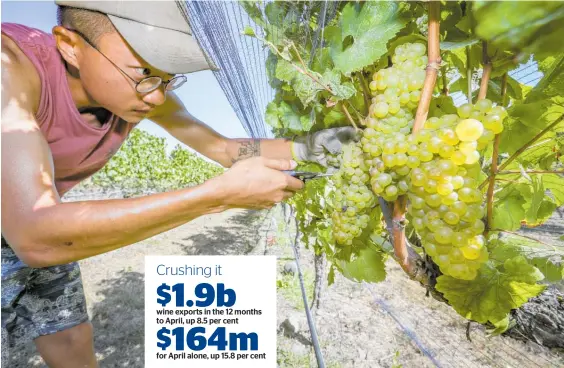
526 145
366 92
444 91
351 120
410 261
468 74
407 257
497 139
487 73
398 231
434 58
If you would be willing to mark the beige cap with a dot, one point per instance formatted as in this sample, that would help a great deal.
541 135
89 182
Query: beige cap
156 30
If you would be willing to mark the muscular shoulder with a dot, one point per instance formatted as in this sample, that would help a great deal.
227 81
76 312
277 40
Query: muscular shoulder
20 80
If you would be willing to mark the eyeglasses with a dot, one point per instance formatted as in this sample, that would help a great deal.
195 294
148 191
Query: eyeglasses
147 84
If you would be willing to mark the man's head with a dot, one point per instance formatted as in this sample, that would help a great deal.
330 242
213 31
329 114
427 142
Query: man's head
113 46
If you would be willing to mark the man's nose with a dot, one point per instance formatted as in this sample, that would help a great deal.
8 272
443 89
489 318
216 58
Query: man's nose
156 97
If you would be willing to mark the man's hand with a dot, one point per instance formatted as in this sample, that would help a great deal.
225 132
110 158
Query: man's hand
315 147
257 183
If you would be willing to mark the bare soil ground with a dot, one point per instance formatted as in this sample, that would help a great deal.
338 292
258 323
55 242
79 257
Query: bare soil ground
389 324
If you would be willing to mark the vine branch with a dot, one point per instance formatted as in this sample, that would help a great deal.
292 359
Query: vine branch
486 74
434 58
527 145
366 92
444 91
347 113
497 139
468 75
406 256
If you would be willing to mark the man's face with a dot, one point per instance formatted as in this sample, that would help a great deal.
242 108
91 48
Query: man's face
108 87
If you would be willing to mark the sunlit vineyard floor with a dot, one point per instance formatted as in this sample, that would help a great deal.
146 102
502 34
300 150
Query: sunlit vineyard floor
390 324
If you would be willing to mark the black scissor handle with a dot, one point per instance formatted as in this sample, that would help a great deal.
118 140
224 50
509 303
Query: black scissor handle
302 175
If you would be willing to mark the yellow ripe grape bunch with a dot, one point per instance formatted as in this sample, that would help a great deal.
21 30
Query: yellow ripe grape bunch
437 168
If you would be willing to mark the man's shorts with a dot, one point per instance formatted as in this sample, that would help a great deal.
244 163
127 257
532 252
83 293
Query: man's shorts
38 301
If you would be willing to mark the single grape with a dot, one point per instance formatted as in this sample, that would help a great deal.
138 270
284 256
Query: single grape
472 158
465 110
391 190
381 110
446 151
413 162
459 207
458 158
443 235
484 105
469 130
467 147
451 218
445 189
449 199
471 251
433 200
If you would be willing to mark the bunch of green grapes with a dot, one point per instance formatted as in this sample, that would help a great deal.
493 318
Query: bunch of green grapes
397 90
446 207
353 199
386 139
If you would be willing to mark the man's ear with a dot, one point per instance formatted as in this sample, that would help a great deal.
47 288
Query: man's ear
67 43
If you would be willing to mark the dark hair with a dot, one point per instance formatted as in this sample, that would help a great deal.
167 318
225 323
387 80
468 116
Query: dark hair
90 23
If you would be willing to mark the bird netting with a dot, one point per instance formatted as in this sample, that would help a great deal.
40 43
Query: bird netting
242 61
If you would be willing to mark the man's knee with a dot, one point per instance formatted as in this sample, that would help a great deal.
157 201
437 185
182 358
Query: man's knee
72 347
79 335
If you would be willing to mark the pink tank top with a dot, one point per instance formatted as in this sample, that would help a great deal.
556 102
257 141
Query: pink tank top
79 149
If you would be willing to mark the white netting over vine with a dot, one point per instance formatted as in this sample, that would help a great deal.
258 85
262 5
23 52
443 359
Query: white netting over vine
242 60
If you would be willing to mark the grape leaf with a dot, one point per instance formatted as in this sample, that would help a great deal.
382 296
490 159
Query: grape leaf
537 208
367 266
514 89
275 13
334 117
271 63
306 88
494 292
285 71
555 183
500 326
552 82
332 78
331 276
271 116
517 25
453 45
289 117
549 260
441 105
322 60
249 31
508 210
307 122
369 29
527 120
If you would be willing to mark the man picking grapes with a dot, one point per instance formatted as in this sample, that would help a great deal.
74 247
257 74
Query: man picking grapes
69 100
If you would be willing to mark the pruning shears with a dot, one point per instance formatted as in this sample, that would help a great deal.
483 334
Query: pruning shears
305 175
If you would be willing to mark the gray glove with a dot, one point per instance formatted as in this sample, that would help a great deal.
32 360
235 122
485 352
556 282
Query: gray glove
316 146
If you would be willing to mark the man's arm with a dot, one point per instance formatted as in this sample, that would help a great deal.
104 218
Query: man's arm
43 231
176 120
